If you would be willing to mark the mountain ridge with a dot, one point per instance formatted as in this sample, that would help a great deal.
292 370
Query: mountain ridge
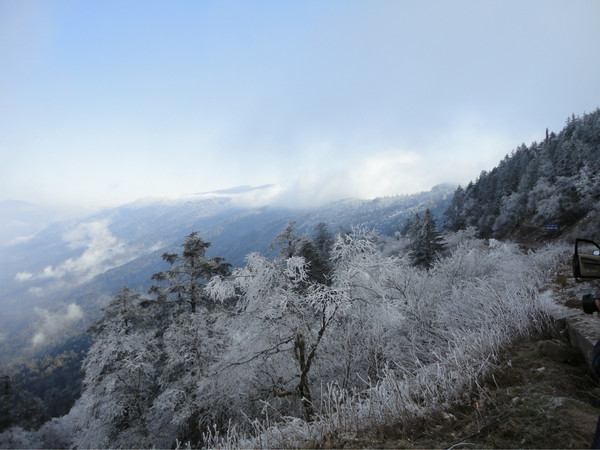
85 261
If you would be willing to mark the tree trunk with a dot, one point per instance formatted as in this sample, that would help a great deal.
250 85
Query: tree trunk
303 386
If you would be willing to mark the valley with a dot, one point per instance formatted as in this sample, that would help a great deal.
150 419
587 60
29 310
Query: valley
363 305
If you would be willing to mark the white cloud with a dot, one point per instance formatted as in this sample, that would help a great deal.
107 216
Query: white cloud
23 276
19 240
456 156
51 323
241 196
37 291
102 252
257 197
460 155
380 174
388 172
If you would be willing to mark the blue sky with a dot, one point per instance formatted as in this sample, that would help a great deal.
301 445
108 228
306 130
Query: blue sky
104 102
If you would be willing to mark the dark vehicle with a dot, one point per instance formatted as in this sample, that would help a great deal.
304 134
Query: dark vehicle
586 259
586 266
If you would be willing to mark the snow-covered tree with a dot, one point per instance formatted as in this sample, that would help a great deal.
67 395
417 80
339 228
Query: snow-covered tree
455 215
380 342
288 242
323 240
315 252
427 244
439 332
548 181
189 272
189 343
120 377
190 346
511 214
587 185
285 315
150 360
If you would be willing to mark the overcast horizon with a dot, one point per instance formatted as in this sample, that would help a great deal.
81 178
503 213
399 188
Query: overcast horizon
108 102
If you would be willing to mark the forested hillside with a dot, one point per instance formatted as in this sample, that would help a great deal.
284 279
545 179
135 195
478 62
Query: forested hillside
554 182
327 333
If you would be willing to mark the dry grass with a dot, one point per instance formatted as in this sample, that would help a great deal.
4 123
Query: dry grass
531 401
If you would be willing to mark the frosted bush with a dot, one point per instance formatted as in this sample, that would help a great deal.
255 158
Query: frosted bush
56 433
434 334
285 360
16 437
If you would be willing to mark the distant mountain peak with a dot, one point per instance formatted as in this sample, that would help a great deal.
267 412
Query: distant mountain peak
237 189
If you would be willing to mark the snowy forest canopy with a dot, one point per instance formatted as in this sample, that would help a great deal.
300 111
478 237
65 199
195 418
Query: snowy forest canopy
556 180
336 335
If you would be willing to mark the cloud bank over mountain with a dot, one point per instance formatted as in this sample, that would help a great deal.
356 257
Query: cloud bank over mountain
52 323
96 250
327 101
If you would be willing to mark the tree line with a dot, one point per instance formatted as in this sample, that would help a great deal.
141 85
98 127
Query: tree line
556 180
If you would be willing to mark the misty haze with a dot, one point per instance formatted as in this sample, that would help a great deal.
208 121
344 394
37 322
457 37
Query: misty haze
282 225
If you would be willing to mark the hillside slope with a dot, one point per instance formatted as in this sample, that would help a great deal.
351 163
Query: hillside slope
86 261
540 191
53 284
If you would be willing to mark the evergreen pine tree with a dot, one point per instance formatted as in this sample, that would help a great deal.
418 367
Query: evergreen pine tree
427 243
288 241
323 240
455 218
188 274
